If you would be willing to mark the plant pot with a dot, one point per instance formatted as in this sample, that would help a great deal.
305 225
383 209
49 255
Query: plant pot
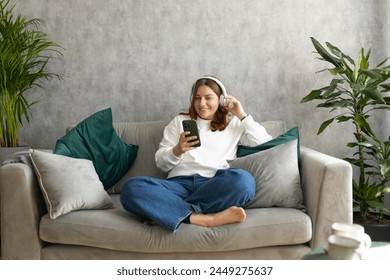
377 232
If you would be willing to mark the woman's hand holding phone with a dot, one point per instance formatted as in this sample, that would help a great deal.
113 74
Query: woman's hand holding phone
186 143
188 140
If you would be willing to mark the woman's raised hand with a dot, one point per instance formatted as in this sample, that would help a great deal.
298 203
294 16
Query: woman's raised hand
237 109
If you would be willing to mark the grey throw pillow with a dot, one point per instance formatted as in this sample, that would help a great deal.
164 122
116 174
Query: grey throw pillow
68 184
276 174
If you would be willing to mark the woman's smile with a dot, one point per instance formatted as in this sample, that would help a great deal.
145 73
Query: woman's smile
206 102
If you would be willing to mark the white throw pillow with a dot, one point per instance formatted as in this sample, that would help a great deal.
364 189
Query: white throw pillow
68 184
276 174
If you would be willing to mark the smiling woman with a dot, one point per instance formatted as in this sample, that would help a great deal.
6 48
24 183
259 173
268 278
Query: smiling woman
201 188
206 103
211 89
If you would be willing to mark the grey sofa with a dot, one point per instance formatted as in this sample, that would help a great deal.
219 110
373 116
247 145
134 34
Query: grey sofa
27 231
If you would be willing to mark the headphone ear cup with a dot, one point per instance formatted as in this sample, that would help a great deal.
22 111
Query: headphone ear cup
222 100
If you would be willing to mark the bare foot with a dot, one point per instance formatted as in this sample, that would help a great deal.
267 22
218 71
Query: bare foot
230 215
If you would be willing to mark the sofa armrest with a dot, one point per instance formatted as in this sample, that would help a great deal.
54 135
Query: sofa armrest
327 190
22 207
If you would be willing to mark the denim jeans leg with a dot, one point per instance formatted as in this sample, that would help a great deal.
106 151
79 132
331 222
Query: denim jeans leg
161 201
229 187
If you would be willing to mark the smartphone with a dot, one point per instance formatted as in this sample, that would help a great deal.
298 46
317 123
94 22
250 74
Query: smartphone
191 126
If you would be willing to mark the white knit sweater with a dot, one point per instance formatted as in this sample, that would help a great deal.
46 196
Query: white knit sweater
217 147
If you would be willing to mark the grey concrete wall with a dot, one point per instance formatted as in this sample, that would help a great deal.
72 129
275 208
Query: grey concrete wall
141 58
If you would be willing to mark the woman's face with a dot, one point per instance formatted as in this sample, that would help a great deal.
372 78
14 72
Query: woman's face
206 102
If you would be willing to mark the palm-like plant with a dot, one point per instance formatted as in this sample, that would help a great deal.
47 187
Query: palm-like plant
24 56
357 91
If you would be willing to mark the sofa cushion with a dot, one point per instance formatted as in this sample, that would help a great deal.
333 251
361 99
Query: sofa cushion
117 229
276 174
283 138
95 139
68 184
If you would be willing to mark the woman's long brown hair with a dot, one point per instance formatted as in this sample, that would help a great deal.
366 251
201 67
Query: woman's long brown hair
220 120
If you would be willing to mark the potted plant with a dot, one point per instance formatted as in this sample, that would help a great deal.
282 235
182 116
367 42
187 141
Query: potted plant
24 55
353 95
25 52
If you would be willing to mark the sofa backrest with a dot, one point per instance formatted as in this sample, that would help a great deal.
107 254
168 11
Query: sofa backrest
147 135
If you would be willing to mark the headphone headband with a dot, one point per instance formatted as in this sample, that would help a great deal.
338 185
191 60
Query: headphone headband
222 99
218 82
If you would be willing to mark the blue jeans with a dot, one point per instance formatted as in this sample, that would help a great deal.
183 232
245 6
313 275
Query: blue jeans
169 202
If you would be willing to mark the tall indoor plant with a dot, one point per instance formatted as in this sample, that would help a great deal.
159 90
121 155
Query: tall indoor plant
353 95
25 52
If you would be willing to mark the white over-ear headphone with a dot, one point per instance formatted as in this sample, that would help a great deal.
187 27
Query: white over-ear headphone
222 99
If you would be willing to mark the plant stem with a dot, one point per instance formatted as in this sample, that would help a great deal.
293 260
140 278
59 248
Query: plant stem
363 213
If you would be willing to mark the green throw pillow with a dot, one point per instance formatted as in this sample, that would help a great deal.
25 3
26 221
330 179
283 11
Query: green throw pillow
286 137
96 139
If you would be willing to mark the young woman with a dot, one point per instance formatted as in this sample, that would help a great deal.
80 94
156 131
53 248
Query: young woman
200 189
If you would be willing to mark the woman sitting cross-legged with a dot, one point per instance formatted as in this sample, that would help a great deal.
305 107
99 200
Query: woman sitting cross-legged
201 188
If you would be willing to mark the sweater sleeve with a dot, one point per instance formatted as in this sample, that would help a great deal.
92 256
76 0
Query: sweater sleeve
164 157
254 133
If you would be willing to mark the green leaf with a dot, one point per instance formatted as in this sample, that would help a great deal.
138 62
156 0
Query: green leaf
382 62
384 166
364 144
343 118
386 86
337 52
377 205
357 87
324 125
336 71
357 67
335 94
367 57
385 107
314 94
364 126
352 145
333 104
325 54
375 94
332 87
373 73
